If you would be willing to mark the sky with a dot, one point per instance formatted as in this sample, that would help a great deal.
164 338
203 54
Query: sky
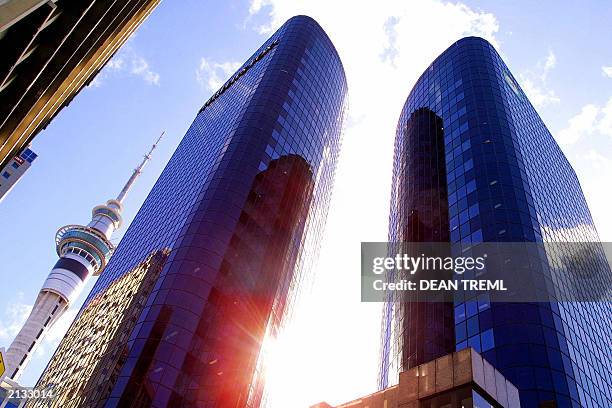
560 52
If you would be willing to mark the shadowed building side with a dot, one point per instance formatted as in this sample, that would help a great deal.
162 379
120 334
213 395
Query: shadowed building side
419 213
50 51
255 273
241 206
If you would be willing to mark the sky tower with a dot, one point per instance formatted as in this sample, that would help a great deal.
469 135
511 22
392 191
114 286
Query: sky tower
84 251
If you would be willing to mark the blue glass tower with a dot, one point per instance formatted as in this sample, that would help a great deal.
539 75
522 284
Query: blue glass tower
475 163
240 207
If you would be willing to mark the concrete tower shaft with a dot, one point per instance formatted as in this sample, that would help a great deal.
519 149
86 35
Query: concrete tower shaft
83 251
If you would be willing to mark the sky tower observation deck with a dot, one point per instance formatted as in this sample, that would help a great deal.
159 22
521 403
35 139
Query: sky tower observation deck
84 251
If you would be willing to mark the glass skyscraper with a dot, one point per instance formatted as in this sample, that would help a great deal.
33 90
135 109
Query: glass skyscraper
475 163
240 210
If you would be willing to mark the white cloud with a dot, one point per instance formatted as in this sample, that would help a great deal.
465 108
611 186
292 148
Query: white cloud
97 81
590 119
212 75
115 64
549 63
604 125
582 124
15 315
382 63
592 128
140 67
607 71
538 95
594 170
600 163
127 61
534 82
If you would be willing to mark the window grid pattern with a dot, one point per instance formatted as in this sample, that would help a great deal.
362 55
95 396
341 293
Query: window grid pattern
508 181
264 149
80 379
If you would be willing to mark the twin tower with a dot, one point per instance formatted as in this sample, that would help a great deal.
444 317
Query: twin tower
214 258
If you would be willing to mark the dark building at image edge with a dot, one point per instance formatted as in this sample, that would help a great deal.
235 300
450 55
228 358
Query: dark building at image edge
475 163
240 210
50 51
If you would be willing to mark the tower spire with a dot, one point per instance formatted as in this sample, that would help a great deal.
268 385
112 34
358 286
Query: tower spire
137 171
84 250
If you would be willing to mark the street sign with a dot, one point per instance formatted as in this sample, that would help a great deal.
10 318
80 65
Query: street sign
2 367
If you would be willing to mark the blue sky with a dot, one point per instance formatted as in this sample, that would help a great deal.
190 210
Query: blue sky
559 52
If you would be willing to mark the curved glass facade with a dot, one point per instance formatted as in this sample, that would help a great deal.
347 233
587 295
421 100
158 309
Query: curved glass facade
241 206
421 215
504 179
